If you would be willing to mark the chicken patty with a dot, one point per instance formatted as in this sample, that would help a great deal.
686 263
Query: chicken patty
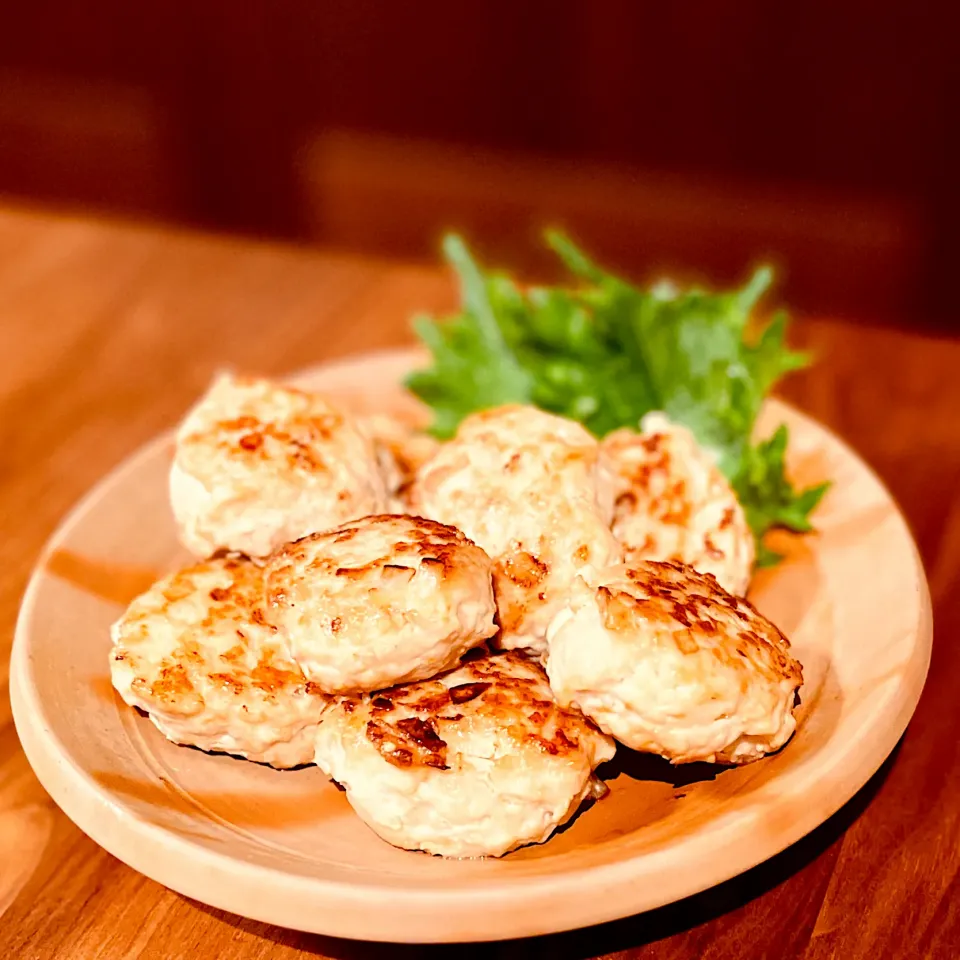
196 654
380 601
673 503
667 662
258 465
533 490
471 764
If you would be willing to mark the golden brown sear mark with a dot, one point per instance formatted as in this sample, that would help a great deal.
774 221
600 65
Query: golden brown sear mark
269 678
412 724
408 741
239 423
677 594
251 441
465 692
437 545
299 437
225 680
524 569
173 682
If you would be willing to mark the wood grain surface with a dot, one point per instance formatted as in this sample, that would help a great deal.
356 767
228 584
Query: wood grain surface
108 332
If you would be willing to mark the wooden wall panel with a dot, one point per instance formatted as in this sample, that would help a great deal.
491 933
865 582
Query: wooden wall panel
852 99
86 144
836 254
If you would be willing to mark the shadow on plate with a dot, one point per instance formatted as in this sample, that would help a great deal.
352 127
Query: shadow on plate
646 767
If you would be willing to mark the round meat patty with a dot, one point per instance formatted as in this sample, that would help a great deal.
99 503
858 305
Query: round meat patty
673 503
195 653
667 662
471 764
533 490
258 465
382 600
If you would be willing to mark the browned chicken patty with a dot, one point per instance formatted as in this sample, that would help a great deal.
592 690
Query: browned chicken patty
196 653
473 763
534 490
673 503
668 662
259 464
382 600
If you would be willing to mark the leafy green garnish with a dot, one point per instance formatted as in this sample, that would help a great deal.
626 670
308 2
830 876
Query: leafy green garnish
769 500
605 352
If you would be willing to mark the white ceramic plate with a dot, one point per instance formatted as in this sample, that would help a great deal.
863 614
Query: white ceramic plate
284 847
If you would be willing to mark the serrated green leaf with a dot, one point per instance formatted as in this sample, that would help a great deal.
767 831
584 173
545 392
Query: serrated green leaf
605 352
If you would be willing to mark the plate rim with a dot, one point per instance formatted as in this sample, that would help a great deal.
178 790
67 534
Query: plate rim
83 800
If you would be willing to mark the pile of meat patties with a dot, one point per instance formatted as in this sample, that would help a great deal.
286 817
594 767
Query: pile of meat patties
459 634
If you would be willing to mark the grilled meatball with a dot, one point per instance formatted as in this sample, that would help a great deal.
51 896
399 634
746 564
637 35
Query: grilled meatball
666 661
532 489
471 764
258 465
672 503
195 653
379 601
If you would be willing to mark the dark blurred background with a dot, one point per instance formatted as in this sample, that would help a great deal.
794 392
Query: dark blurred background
694 137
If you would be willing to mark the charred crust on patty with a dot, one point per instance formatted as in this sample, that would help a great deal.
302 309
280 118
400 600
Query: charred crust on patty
524 569
173 681
704 616
244 662
410 740
430 545
414 724
465 692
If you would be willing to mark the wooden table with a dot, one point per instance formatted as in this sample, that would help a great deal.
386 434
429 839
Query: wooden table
108 332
